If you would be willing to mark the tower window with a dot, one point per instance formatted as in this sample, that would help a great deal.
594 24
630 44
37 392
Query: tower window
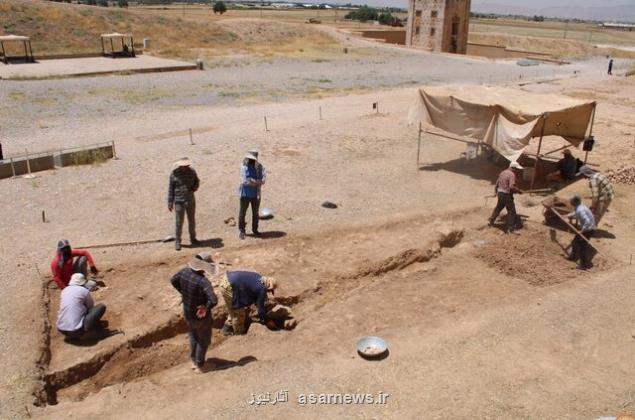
433 31
434 14
418 13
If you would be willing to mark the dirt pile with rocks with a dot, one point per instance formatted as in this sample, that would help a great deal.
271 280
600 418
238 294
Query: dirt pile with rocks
625 174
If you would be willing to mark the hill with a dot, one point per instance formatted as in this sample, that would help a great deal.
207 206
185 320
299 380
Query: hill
59 28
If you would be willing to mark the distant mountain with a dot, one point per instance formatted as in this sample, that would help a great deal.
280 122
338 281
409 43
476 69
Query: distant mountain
623 13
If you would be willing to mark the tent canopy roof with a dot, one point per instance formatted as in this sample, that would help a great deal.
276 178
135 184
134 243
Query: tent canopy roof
5 38
515 100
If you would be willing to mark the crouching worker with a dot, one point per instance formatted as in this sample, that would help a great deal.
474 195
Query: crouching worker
240 290
198 300
78 314
68 261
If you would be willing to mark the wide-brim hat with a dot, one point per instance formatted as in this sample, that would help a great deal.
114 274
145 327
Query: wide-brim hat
586 171
252 156
253 152
184 161
77 279
203 262
270 284
515 165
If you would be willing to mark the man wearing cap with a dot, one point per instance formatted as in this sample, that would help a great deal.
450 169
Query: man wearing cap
183 184
602 192
240 290
504 189
252 177
68 261
78 314
586 222
198 300
567 167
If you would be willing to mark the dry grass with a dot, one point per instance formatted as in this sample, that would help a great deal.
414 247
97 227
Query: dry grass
57 28
560 48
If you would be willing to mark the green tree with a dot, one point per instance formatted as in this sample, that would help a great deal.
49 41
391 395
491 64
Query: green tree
219 7
122 3
102 3
385 18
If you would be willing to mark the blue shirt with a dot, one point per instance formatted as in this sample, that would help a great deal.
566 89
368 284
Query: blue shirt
246 188
585 217
247 289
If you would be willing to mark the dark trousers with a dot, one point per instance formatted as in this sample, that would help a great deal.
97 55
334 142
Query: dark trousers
80 265
505 200
255 205
581 250
200 333
180 211
90 322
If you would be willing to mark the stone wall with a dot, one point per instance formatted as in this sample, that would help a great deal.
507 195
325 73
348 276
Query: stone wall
438 25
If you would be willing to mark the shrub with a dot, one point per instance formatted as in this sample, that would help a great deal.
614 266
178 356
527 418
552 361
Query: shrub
219 7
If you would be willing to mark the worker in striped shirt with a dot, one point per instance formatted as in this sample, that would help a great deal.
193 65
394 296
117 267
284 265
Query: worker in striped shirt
580 249
602 192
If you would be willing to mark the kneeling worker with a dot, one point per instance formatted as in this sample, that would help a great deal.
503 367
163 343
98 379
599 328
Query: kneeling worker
78 314
240 290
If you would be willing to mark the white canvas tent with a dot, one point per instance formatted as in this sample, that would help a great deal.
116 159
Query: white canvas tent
502 118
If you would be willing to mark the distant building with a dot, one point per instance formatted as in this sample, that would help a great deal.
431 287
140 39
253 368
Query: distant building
438 25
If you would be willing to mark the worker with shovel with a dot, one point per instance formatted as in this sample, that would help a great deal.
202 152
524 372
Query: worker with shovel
505 189
602 192
586 222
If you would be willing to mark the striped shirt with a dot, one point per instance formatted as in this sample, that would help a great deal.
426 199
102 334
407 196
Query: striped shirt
183 183
584 216
601 188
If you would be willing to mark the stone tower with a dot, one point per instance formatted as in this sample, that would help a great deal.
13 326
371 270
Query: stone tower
438 25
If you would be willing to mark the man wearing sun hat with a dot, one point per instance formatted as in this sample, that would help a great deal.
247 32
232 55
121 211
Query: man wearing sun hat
78 314
252 177
183 184
505 189
240 290
198 300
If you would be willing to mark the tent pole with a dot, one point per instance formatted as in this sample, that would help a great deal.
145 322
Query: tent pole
419 146
586 155
542 133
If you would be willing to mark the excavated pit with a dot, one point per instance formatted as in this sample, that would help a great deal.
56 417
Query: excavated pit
165 346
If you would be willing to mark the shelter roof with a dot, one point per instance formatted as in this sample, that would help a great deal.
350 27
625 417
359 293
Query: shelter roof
5 38
116 35
518 101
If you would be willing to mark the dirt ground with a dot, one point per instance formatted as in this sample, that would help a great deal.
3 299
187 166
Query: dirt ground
479 324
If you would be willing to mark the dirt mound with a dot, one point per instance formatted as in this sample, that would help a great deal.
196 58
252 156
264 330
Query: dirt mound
623 175
57 28
534 257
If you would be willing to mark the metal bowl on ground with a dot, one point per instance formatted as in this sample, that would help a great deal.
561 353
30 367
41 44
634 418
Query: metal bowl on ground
372 348
265 214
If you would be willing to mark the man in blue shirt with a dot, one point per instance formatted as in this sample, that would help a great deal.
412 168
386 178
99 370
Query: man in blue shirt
586 223
240 290
252 177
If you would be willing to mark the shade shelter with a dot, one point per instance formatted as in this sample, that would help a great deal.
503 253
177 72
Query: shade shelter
6 57
505 119
117 45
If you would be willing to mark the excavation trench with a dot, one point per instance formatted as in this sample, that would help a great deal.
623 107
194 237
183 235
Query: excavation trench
163 346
